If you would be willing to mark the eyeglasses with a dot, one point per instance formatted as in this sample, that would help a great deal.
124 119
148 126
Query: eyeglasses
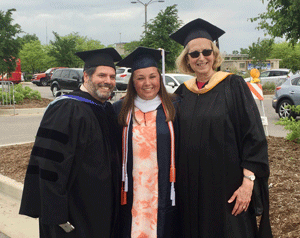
196 54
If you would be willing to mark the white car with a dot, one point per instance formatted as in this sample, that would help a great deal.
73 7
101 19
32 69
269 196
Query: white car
277 76
174 80
122 78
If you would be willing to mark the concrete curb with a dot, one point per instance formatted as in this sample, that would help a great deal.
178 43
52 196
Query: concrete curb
11 187
21 143
28 111
11 223
269 96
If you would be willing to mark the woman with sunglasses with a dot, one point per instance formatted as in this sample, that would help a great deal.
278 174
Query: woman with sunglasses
222 148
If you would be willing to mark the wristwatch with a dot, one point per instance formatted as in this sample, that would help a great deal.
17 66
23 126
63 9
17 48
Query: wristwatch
250 177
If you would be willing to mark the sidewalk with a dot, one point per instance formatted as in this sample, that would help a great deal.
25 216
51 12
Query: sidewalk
12 224
10 112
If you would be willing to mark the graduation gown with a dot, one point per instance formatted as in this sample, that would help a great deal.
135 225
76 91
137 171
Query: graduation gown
167 215
212 155
73 172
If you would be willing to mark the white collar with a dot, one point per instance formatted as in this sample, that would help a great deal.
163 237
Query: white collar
147 105
83 88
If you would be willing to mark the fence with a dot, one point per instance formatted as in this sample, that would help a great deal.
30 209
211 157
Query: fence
7 94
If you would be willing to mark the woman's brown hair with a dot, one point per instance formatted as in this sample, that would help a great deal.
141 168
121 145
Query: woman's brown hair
128 101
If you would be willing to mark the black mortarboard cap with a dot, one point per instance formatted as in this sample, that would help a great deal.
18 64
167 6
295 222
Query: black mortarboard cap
141 57
197 28
100 57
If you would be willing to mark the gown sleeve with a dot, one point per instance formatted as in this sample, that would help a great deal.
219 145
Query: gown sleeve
250 133
178 91
62 135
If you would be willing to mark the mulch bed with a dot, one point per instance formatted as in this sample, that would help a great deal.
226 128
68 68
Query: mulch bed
29 103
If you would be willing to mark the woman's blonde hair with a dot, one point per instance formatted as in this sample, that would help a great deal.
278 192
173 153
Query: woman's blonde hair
182 60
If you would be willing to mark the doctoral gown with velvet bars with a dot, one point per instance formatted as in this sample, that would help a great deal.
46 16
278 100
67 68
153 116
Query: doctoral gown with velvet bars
210 166
167 216
73 172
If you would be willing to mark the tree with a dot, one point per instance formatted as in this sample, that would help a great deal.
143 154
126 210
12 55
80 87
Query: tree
244 51
33 57
131 46
158 31
63 50
27 38
235 52
64 47
260 51
282 19
9 44
83 43
289 55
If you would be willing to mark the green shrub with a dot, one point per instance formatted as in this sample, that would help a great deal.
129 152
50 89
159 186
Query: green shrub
18 88
4 97
28 77
26 92
295 109
36 95
20 94
19 97
291 125
269 86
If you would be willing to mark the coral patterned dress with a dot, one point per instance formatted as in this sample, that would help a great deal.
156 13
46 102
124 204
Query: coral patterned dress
145 175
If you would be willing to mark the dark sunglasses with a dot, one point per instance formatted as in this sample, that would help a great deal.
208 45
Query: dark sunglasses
196 54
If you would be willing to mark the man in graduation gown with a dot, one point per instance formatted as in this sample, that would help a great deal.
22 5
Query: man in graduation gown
72 180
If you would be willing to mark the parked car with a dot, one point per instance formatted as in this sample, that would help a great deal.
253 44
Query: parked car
174 80
277 76
43 79
122 77
66 80
288 93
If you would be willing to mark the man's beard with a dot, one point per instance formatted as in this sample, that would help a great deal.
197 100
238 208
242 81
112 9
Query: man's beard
93 88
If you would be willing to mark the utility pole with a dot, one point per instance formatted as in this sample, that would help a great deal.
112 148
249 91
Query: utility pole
46 35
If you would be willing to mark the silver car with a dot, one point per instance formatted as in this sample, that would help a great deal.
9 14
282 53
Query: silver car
286 94
277 76
174 80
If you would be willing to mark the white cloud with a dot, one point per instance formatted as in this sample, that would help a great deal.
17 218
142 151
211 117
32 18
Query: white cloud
114 21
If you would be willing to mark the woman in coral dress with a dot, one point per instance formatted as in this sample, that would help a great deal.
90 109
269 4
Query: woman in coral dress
147 118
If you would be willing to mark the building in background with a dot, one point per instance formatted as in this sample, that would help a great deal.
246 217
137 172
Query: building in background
120 48
241 63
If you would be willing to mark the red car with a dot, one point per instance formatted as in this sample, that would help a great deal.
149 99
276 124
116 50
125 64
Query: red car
42 79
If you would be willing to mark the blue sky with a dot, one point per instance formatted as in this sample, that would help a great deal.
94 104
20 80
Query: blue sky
115 21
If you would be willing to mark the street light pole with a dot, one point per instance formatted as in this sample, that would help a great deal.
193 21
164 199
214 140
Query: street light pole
146 5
